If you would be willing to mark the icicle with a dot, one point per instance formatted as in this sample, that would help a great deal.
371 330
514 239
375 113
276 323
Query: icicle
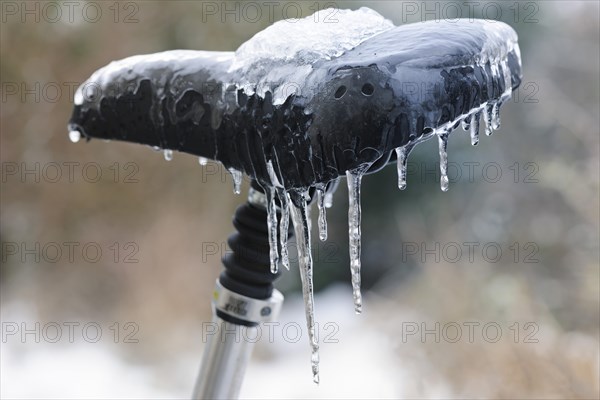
308 214
466 123
237 179
475 128
74 136
487 116
402 156
284 224
507 80
168 154
495 72
443 144
496 115
354 179
272 228
322 213
300 220
202 161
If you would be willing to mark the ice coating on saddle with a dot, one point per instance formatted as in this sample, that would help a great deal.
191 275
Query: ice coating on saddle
279 58
125 74
441 43
326 34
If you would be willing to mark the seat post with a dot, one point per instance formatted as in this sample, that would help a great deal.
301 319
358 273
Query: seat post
244 297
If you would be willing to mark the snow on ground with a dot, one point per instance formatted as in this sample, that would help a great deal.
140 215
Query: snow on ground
356 361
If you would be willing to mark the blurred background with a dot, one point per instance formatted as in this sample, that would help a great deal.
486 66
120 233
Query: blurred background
109 253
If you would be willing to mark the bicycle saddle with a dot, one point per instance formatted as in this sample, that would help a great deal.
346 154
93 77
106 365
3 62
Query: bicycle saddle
314 109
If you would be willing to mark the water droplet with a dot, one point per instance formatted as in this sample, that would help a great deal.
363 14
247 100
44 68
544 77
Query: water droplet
74 136
168 154
443 144
301 228
202 161
322 213
354 179
328 200
330 189
475 128
237 180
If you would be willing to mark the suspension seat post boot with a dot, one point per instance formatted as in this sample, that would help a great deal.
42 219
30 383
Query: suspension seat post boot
243 298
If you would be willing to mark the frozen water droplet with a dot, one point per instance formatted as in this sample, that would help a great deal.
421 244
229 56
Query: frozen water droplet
156 148
74 136
402 156
168 154
466 123
202 161
237 179
475 128
301 228
487 116
443 144
322 213
328 200
272 228
354 179
496 115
